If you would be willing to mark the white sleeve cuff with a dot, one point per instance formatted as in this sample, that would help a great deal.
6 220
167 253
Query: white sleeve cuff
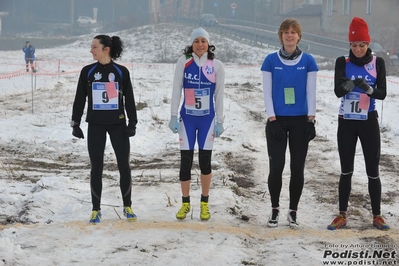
370 90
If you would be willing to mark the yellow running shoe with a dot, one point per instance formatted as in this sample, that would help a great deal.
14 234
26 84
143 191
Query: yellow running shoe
95 217
129 214
205 213
182 213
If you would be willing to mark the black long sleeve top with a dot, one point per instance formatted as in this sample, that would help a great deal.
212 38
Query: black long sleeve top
380 90
103 73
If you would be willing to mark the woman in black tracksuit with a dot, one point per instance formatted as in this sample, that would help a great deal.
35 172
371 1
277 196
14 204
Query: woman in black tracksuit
109 92
359 80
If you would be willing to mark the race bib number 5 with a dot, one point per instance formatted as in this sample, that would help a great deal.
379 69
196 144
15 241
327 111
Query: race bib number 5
197 101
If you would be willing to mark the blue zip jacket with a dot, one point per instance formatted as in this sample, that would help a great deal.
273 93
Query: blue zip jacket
29 52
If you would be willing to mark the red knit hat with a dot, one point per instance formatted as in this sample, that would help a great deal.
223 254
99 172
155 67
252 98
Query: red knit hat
359 31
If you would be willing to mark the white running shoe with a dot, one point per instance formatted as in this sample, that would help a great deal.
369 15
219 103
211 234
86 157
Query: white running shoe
291 218
273 219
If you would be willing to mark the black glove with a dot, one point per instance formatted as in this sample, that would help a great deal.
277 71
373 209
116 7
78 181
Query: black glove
348 84
362 84
311 130
77 132
276 130
130 130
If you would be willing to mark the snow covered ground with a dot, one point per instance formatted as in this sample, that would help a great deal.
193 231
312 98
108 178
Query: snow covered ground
44 171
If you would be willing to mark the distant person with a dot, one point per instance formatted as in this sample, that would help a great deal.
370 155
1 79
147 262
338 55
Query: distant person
29 51
200 77
359 80
110 104
289 88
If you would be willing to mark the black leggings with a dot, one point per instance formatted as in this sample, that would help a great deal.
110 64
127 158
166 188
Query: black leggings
96 139
295 129
368 132
186 163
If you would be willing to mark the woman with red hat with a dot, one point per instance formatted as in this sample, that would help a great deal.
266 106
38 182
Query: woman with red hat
359 80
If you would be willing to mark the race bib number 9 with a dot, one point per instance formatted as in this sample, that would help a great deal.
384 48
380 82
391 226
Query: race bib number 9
356 106
101 99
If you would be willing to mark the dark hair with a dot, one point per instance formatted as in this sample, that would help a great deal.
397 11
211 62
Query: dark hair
114 43
189 50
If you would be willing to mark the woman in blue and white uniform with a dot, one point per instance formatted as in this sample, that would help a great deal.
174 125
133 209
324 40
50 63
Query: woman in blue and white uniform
200 77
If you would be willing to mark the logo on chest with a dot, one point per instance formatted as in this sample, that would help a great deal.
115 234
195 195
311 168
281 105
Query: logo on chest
98 76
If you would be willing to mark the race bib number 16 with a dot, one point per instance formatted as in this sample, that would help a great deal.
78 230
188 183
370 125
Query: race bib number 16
356 106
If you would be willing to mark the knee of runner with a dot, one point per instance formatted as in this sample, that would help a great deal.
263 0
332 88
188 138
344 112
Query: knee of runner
186 162
205 161
185 175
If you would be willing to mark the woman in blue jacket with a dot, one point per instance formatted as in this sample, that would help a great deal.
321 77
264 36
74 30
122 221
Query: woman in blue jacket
29 51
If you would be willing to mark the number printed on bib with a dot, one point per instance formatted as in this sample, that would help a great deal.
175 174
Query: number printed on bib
356 106
289 95
201 106
101 99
